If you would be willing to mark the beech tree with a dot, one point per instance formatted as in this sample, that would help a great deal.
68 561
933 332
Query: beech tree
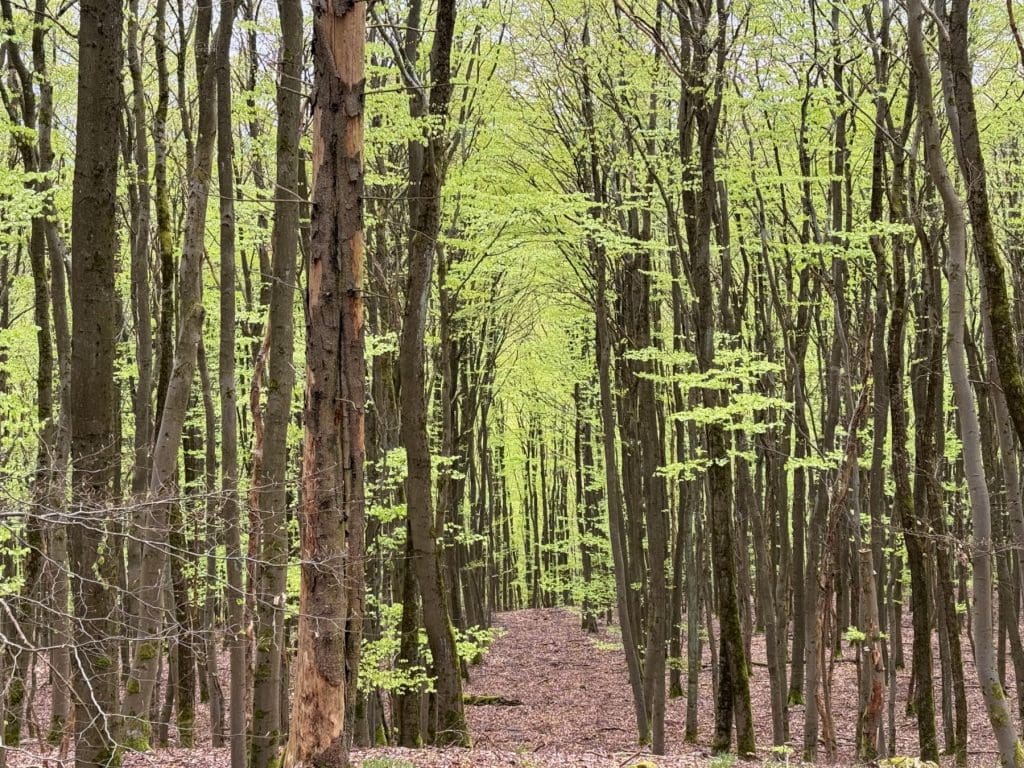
94 247
427 165
271 461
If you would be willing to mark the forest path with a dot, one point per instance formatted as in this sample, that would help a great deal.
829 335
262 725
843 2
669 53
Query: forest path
573 686
576 705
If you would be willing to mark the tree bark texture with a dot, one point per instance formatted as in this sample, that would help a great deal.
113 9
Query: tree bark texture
331 523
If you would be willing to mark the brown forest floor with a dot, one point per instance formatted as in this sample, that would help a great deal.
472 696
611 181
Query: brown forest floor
577 707
577 710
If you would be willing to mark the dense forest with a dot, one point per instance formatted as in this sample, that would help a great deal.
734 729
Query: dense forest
366 367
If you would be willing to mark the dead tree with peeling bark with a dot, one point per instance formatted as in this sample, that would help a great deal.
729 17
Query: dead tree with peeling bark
331 521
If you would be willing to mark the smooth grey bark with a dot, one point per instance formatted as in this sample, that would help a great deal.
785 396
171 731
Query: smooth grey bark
230 511
154 522
1011 753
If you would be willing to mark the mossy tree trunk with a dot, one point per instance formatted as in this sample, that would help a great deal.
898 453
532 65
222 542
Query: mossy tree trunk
1010 752
270 469
152 527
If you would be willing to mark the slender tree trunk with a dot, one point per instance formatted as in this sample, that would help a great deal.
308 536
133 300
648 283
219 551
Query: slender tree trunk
211 539
959 87
27 618
271 466
873 669
184 679
625 604
154 523
141 300
616 524
230 514
1010 751
906 513
425 527
586 505
1008 466
929 451
165 322
60 656
408 706
55 582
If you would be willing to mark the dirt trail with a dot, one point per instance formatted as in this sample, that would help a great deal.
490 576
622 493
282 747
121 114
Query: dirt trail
576 704
577 708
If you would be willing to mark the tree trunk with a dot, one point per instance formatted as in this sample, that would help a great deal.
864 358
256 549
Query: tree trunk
1010 751
141 300
873 669
212 539
625 604
93 445
959 89
613 496
270 472
905 513
153 528
332 523
425 527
